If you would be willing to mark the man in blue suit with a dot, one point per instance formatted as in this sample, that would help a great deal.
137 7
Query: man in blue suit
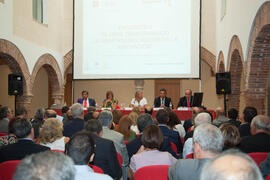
85 101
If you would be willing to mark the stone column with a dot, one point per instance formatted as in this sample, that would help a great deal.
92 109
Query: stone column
58 101
139 83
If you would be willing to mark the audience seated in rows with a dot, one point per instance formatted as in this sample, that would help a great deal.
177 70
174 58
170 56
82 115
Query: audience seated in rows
143 121
233 117
45 165
162 118
265 166
80 149
245 118
51 134
77 123
11 137
220 117
189 124
231 164
133 117
231 135
25 145
201 118
105 153
124 128
259 141
5 116
175 124
149 153
208 143
105 117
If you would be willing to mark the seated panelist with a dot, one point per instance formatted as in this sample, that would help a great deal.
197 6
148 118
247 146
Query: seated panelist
186 100
85 101
139 100
110 101
162 100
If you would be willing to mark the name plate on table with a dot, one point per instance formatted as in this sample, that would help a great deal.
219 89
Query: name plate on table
106 108
156 109
127 108
184 108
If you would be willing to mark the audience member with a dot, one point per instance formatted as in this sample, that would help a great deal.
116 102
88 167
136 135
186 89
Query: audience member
5 116
124 128
105 153
51 134
49 113
259 141
201 118
66 113
162 100
38 121
110 101
139 100
76 123
25 145
21 112
136 110
175 124
231 135
85 101
81 148
248 114
133 117
44 166
231 165
233 117
116 117
11 137
190 122
105 118
220 117
186 100
265 166
208 143
163 117
143 121
149 153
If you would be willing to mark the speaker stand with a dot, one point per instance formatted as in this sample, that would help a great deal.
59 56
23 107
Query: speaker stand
225 104
15 108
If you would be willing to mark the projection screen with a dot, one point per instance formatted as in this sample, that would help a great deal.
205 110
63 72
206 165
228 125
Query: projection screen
135 39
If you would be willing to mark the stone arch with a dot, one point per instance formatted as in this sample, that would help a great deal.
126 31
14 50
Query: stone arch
67 63
221 64
235 67
258 59
54 74
209 58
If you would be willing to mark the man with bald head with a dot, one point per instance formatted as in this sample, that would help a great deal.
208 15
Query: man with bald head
186 101
259 141
231 165
220 117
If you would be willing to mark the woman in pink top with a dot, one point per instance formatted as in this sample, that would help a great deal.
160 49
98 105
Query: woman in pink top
149 153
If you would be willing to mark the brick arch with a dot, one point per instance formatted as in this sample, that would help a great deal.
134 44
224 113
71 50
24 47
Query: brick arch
258 59
67 63
209 58
16 62
221 64
54 74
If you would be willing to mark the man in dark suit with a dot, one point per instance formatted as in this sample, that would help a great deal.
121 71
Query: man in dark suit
186 101
105 153
163 117
259 141
143 121
77 123
162 100
85 101
25 145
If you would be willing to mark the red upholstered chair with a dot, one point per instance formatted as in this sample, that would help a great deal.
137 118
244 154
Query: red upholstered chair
190 156
157 172
267 177
58 150
3 134
125 142
7 169
120 160
182 140
174 147
258 157
96 169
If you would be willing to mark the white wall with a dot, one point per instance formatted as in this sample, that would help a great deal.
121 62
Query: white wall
237 21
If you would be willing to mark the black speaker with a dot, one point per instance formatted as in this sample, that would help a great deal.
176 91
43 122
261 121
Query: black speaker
223 83
15 84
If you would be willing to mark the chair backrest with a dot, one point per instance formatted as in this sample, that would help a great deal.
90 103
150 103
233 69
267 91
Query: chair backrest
96 169
258 157
125 142
174 147
190 156
120 160
3 134
7 169
57 150
157 172
267 177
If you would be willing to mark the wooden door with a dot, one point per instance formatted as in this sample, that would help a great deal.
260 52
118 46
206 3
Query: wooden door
172 86
68 90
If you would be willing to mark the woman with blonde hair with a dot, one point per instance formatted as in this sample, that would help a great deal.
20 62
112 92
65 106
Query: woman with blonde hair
139 100
133 116
50 134
124 128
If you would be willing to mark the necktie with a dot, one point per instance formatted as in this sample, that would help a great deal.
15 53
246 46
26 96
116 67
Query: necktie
162 101
188 102
85 103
